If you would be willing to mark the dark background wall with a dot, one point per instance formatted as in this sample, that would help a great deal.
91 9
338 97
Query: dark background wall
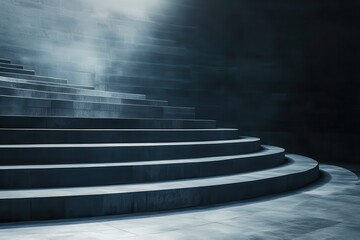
285 71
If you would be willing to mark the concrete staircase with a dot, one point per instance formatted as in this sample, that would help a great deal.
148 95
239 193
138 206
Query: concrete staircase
69 151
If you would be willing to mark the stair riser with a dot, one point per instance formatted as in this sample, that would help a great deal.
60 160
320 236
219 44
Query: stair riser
146 201
17 71
88 113
14 136
91 154
29 93
101 123
75 177
44 82
68 90
33 77
6 65
44 107
5 61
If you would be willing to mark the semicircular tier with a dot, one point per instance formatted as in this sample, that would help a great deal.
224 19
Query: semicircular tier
70 151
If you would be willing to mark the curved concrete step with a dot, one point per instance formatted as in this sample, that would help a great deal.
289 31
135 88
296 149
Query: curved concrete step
21 205
37 82
6 61
53 136
25 106
33 77
102 123
75 175
19 92
122 152
10 65
17 71
15 83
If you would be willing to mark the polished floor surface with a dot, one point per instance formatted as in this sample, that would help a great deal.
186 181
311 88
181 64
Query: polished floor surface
328 209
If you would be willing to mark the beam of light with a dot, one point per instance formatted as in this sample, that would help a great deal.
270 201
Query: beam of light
136 9
77 39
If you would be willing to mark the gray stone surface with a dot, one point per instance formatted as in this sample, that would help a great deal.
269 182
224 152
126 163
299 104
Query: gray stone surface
5 61
36 78
9 91
38 136
122 152
9 65
328 209
30 106
233 65
37 204
75 175
102 123
89 46
18 71
11 82
70 180
16 80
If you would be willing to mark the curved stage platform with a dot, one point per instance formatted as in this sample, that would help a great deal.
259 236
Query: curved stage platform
329 208
71 151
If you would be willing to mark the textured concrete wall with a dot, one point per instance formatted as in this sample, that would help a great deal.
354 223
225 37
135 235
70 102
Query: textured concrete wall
284 71
109 44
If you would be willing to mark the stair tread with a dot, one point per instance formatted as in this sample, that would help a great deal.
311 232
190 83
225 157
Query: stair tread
121 130
266 150
20 71
11 65
19 80
93 103
104 145
69 87
297 164
105 119
72 95
31 77
3 60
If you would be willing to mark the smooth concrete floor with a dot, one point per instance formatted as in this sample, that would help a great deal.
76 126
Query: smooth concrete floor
328 209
